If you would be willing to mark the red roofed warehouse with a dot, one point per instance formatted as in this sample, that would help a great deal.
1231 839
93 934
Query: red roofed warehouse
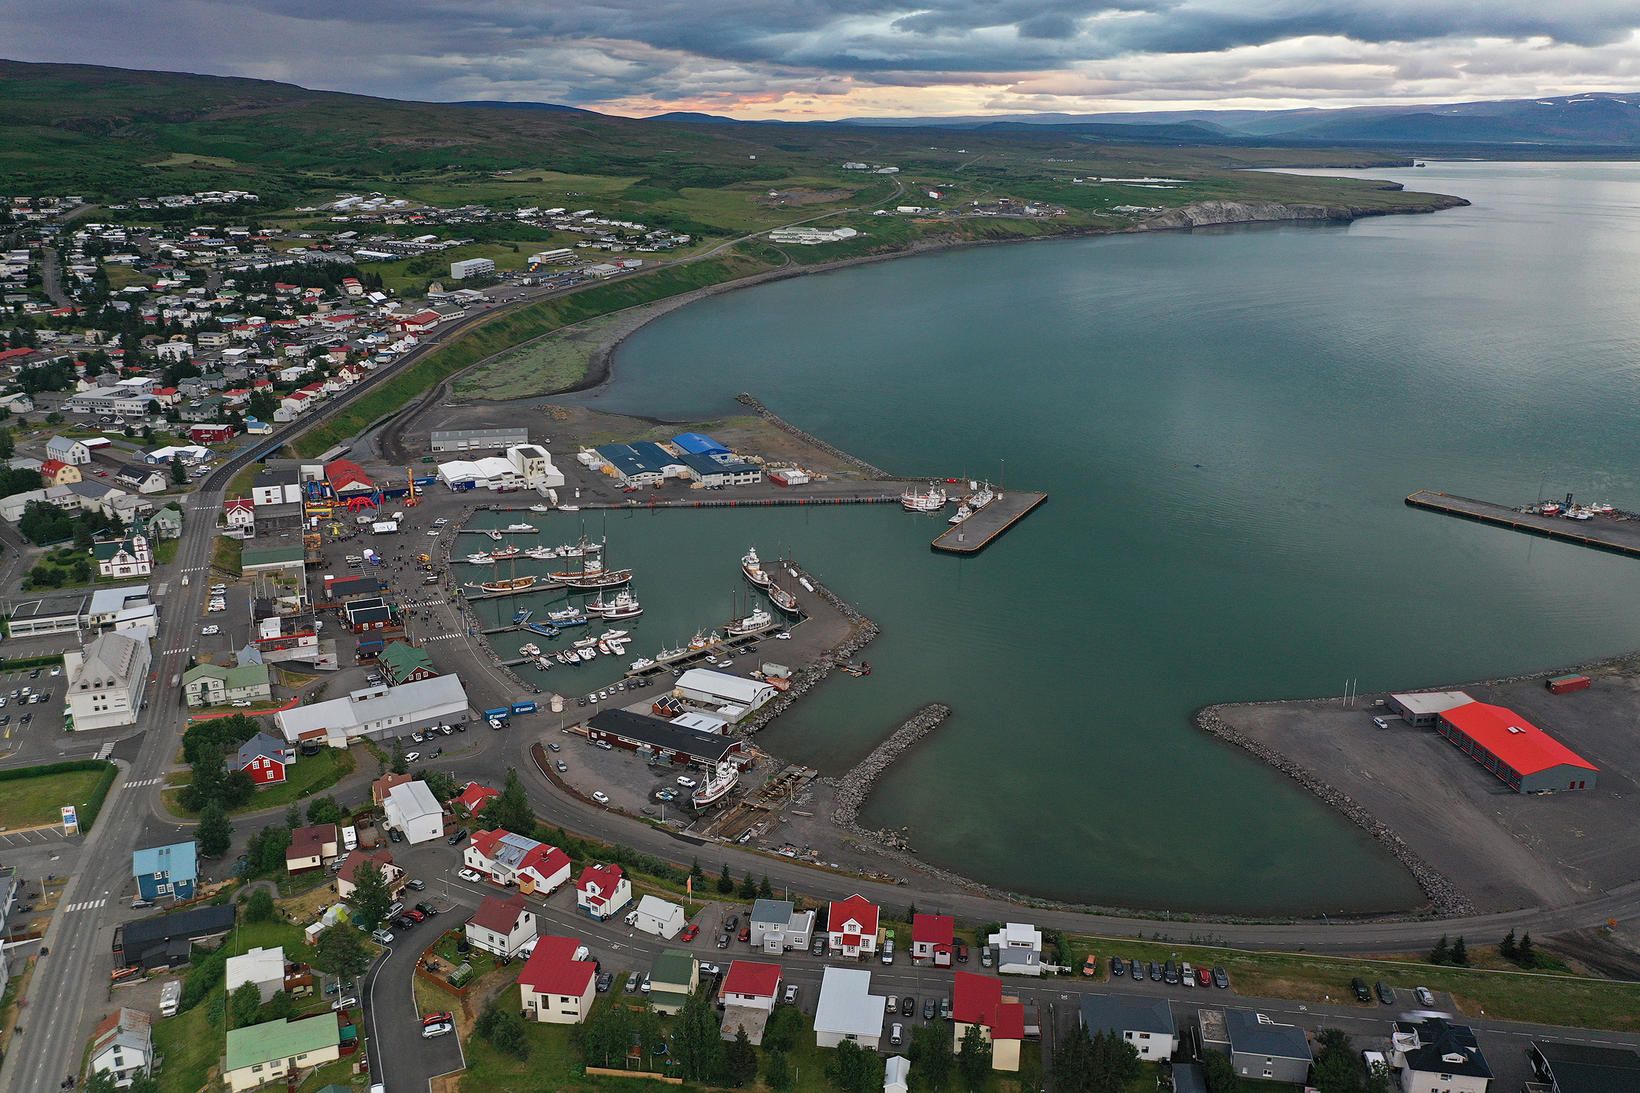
1526 758
347 479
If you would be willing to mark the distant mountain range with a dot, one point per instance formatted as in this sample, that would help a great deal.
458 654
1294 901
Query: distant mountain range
1595 119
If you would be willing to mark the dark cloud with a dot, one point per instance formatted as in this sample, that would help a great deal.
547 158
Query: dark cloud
677 50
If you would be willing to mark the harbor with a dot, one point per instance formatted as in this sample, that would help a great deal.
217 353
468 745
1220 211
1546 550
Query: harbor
988 524
1597 526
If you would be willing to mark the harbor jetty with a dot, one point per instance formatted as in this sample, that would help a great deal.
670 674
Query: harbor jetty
1616 532
854 787
989 523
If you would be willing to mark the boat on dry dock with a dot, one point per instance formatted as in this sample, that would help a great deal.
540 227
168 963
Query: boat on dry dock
724 778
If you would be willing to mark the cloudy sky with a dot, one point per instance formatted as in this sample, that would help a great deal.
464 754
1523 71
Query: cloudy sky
836 58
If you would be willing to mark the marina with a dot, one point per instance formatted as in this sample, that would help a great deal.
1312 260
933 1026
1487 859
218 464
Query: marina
1597 527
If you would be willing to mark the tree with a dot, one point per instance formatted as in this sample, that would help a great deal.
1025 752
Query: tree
1219 1073
441 784
1377 1079
243 1005
340 951
215 832
259 907
401 765
696 873
179 473
1072 1061
974 1060
696 1042
510 809
1508 948
503 1028
8 446
854 1070
777 1072
293 816
931 1058
1336 1069
740 1063
1441 953
1460 952
765 890
324 810
748 887
604 1038
370 899
781 1032
725 883
1526 956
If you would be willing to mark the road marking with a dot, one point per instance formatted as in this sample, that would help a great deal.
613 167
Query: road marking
84 905
144 782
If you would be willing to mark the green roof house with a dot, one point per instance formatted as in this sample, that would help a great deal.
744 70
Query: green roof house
214 685
672 979
274 1050
405 663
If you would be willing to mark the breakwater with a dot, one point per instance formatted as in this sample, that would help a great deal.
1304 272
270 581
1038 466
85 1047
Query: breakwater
762 411
854 787
1444 898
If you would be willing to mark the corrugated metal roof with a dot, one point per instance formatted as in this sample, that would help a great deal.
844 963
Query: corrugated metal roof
1509 736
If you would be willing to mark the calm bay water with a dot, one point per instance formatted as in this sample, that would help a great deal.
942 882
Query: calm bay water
1227 423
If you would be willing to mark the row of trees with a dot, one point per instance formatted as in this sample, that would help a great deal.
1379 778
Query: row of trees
749 889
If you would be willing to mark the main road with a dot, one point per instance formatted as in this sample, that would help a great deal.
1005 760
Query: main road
80 931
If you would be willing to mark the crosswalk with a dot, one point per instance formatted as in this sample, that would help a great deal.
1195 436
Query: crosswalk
143 782
443 637
178 649
425 603
84 905
105 751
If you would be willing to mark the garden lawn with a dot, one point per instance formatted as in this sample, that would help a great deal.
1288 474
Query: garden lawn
30 802
307 776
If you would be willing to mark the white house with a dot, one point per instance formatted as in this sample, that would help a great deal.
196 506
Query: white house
501 925
851 927
412 809
1145 1023
557 983
897 1074
602 891
508 858
263 967
259 1054
347 877
106 681
131 557
1437 1056
69 450
123 1046
752 984
1018 948
656 916
847 1010
776 927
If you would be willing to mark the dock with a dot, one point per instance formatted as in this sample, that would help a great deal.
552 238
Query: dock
988 524
1615 534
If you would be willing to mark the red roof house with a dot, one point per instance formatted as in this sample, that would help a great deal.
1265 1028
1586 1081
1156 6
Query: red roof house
602 890
555 986
932 937
750 983
474 796
978 1000
508 858
502 925
852 924
1526 758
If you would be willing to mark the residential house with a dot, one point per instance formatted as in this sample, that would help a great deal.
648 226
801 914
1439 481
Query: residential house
310 847
1145 1023
602 891
166 523
393 875
277 486
277 1050
502 925
507 858
405 663
166 872
747 997
557 985
1259 1046
141 477
54 472
978 1001
933 938
1437 1056
1018 949
68 450
123 1046
18 402
851 926
239 513
847 1010
214 685
265 968
654 915
673 977
106 681
167 940
267 759
412 809
473 797
124 557
1584 1068
897 1074
775 926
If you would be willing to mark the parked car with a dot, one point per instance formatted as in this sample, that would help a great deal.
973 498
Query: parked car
1118 967
1426 998
438 1029
745 935
687 782
412 756
690 932
469 875
395 835
457 837
1170 973
908 1006
790 997
600 796
945 1007
723 941
819 947
1187 974
347 1003
381 937
893 1006
896 1034
1385 995
731 922
985 956
554 746
1358 987
632 984
427 910
962 953
415 884
644 984
561 767
1220 980
929 1009
1090 966
435 1018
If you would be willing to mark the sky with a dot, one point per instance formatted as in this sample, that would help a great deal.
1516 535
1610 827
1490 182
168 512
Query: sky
807 59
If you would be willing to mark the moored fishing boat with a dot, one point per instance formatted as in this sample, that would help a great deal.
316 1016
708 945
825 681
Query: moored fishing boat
582 643
567 616
480 558
784 600
756 622
753 569
530 649
541 554
492 533
544 631
543 663
930 500
504 553
540 508
963 512
521 616
587 653
513 584
521 529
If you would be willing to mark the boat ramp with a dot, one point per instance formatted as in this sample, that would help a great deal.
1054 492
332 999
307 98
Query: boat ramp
1617 532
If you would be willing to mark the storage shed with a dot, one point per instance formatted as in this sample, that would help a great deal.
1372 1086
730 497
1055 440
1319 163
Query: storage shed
1526 758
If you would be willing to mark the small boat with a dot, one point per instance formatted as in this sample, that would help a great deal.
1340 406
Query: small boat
724 777
784 600
700 641
504 553
530 649
540 508
579 550
567 616
522 529
624 606
543 663
569 508
568 658
541 554
514 584
586 654
522 616
930 500
612 635
492 533
544 631
643 664
478 559
605 648
586 642
753 569
963 512
861 669
756 622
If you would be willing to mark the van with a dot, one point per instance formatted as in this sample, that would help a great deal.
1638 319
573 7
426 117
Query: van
888 951
350 838
395 909
185 580
170 997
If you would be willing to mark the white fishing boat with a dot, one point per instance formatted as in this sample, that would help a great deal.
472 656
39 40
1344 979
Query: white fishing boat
724 777
613 635
756 622
963 512
753 569
522 529
643 664
568 658
504 553
541 554
540 508
982 498
478 559
930 500
784 600
668 654
624 606
567 616
577 550
530 649
543 663
605 648
701 641
582 643
586 654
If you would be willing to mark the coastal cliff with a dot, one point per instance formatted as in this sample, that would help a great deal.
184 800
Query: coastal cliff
1205 214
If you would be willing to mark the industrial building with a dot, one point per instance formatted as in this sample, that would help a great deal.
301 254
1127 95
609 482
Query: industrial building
660 741
467 440
1527 759
377 711
525 466
471 267
1421 709
57 613
732 696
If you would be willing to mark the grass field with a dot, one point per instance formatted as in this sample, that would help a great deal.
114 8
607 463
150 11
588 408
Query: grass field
33 801
1549 998
554 363
225 554
310 775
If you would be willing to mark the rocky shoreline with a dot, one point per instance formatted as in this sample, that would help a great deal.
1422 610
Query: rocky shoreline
854 787
862 631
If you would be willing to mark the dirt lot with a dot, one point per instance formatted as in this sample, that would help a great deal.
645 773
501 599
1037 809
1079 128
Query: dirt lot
1502 848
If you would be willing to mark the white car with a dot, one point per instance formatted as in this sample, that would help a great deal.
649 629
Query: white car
437 1028
417 737
470 875
345 1003
411 756
219 590
433 534
686 782
601 797
56 671
211 630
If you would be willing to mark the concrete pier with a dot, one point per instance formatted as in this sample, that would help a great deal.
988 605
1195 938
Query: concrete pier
1617 535
988 524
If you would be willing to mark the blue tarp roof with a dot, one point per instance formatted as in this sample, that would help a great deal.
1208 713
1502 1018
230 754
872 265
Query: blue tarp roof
177 859
699 444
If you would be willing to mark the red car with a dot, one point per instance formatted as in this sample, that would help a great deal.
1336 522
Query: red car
1204 976
434 1018
690 932
417 915
745 933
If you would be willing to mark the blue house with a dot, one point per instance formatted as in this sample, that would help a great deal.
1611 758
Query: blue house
165 872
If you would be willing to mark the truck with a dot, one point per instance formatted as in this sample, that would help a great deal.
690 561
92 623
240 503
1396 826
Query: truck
1561 685
384 527
170 997
523 707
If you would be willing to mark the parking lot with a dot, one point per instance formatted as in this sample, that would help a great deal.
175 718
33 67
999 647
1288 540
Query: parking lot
31 709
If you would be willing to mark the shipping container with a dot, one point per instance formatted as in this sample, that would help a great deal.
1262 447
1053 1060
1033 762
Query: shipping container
1566 684
523 707
500 713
